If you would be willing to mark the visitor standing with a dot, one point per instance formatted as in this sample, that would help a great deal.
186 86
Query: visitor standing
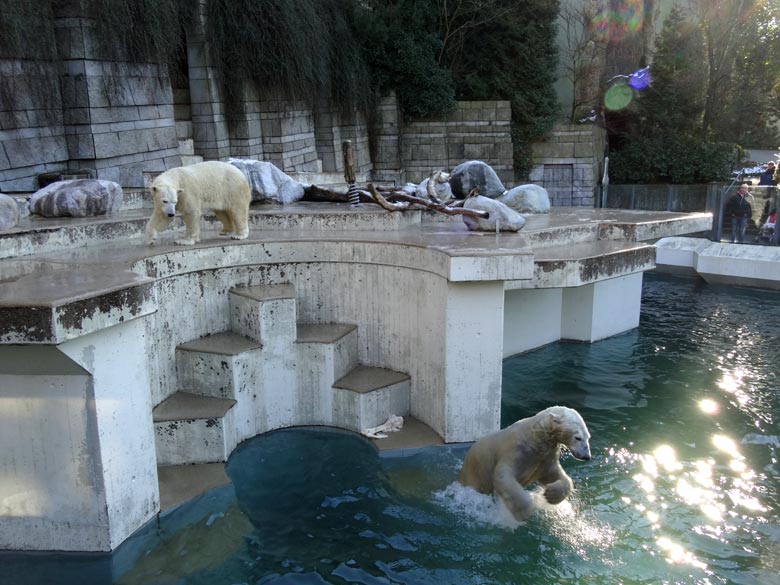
767 178
738 208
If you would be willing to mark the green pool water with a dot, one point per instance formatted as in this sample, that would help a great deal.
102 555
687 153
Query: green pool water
683 487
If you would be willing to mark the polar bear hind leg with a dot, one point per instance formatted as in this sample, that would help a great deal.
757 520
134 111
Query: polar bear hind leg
227 222
240 224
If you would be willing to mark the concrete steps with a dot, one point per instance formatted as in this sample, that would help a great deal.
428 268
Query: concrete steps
325 352
269 372
265 313
217 365
191 428
366 396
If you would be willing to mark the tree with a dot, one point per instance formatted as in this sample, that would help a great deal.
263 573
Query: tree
584 53
513 56
720 23
666 139
402 43
749 112
674 101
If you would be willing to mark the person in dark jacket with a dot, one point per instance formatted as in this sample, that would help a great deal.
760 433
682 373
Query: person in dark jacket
767 178
738 208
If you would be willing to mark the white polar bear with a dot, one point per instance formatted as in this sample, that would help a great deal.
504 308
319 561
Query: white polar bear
216 185
526 452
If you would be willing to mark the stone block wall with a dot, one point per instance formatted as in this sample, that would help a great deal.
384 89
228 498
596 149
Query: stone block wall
569 164
474 131
288 134
245 127
209 124
113 118
123 124
332 127
386 148
32 134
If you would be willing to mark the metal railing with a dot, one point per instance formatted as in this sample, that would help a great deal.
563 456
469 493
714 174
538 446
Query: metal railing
763 201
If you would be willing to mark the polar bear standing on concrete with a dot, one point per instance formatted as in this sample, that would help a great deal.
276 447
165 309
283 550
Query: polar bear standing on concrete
526 452
216 185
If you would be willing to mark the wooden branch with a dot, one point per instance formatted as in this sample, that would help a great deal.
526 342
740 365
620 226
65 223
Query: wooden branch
316 193
384 203
349 161
440 207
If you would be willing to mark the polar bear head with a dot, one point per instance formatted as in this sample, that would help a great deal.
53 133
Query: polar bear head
166 196
567 426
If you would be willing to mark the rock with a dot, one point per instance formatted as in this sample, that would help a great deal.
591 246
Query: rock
443 190
77 198
475 173
527 199
9 213
268 183
508 219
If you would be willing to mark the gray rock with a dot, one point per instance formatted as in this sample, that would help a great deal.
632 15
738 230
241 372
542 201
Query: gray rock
9 213
527 199
443 190
77 198
268 183
475 173
508 219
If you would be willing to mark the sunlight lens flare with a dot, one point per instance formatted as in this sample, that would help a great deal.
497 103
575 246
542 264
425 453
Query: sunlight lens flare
640 79
618 97
612 25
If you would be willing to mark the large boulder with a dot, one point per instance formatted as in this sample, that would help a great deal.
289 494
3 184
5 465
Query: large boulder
475 173
268 183
443 190
9 213
77 198
527 199
508 220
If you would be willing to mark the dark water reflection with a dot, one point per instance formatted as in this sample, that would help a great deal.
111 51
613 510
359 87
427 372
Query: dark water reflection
683 486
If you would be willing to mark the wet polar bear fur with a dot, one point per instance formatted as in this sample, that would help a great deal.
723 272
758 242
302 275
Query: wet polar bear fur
215 185
527 452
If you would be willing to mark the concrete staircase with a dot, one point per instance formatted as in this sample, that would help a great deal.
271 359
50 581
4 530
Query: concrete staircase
269 372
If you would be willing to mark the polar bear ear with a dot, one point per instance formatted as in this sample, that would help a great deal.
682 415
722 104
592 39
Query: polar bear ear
555 418
179 192
154 189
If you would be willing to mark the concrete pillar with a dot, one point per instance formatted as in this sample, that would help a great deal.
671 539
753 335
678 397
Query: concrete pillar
532 318
78 457
473 363
600 310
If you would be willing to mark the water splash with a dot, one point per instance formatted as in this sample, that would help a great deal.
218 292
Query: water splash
474 508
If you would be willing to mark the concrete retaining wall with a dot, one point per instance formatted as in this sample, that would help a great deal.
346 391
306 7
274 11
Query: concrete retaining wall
569 164
474 131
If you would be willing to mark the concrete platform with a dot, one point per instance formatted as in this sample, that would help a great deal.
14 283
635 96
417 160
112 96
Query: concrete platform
720 262
101 316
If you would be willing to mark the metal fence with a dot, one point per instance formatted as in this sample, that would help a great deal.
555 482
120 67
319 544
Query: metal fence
710 197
